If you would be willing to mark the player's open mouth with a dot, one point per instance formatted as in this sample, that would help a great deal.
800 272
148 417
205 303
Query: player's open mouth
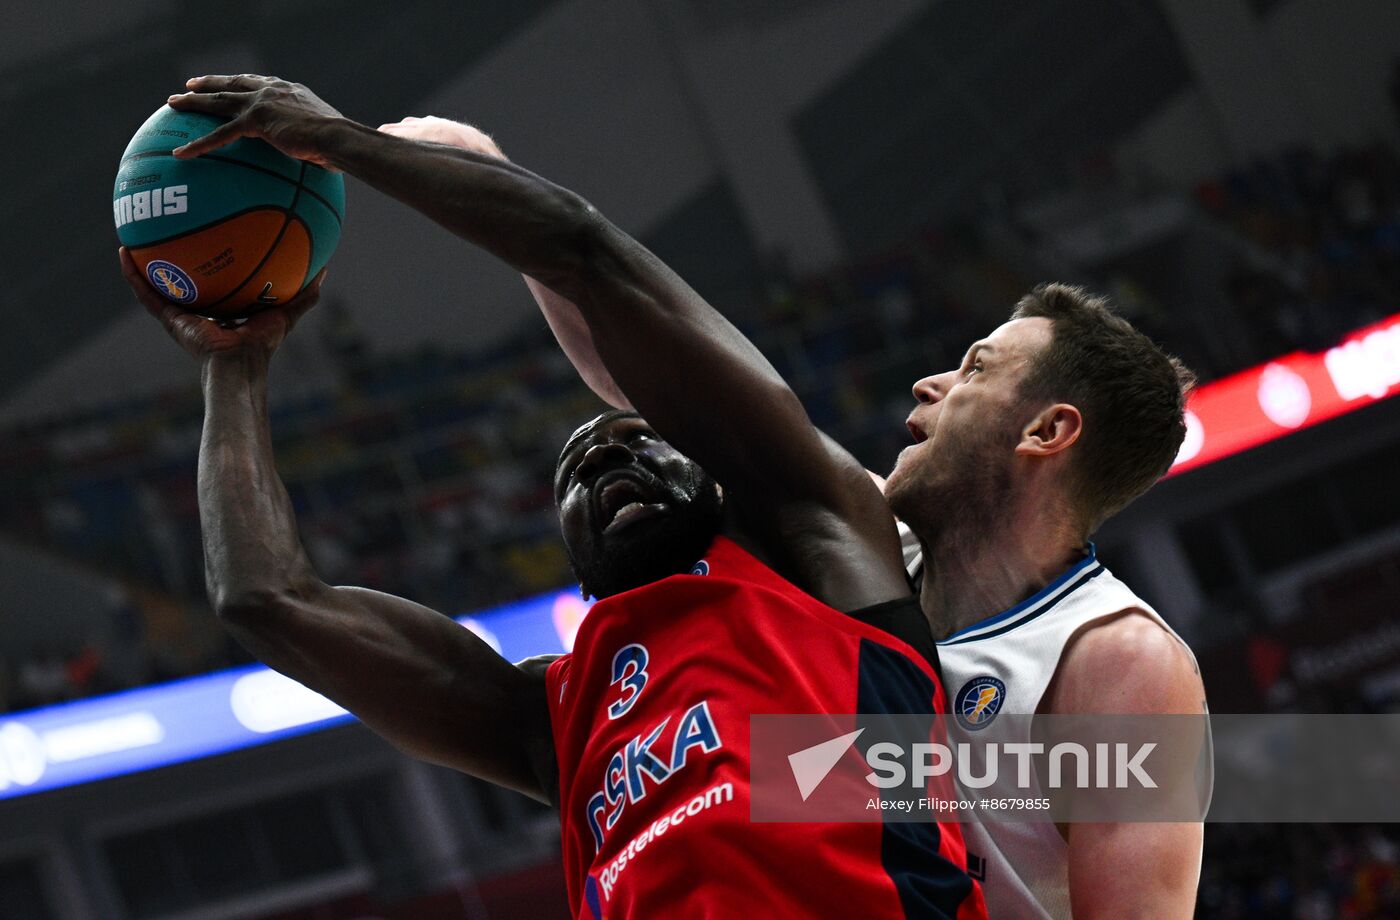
914 430
632 513
623 501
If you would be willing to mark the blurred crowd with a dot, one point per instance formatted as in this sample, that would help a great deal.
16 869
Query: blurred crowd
1327 232
1300 872
49 676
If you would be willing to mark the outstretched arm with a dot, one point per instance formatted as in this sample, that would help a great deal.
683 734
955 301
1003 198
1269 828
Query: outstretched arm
563 316
414 676
695 377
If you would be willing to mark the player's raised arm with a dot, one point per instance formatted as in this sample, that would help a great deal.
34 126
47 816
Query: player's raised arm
414 676
563 316
695 377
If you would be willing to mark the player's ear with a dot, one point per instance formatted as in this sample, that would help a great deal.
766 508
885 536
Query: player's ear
1053 429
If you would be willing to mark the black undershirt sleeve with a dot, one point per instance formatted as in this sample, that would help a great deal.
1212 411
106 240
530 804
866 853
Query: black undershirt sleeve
903 618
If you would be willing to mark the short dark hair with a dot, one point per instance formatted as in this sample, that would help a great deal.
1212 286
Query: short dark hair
1131 394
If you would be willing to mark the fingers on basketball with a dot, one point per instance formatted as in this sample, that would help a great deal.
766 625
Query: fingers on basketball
221 136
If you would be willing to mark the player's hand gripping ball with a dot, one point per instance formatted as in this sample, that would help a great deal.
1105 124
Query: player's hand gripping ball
229 233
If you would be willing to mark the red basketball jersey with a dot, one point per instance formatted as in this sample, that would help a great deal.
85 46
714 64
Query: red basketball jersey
650 717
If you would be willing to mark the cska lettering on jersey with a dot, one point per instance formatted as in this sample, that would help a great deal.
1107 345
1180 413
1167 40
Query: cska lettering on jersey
148 203
654 756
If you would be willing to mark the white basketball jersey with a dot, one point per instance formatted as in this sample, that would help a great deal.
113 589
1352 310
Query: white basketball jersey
1024 866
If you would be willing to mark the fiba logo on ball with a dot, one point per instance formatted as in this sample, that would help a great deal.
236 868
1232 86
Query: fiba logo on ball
171 281
978 702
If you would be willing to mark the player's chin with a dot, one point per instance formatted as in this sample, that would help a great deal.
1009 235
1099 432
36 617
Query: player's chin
898 491
893 475
902 466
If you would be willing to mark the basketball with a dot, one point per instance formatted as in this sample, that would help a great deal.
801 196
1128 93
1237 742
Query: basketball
228 233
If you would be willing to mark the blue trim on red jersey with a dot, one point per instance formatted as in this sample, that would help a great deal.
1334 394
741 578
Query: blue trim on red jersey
930 887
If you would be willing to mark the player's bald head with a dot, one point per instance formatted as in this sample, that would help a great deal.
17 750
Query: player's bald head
632 509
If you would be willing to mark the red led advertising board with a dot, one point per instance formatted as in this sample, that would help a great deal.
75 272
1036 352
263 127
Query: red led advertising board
1290 393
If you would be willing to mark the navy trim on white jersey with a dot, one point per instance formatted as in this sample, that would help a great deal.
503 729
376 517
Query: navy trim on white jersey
1041 602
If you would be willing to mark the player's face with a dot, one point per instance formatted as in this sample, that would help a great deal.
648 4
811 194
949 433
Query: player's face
631 507
965 426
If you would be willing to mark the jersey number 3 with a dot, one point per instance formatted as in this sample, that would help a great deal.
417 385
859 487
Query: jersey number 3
629 668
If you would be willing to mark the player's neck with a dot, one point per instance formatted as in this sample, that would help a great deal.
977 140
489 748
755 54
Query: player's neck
969 577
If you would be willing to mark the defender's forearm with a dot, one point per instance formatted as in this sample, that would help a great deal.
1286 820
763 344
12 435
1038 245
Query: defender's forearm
618 294
540 229
571 331
251 547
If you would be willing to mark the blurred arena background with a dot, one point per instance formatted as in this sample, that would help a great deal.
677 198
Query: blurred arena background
862 187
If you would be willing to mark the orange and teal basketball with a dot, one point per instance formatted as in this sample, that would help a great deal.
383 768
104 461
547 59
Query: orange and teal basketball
228 233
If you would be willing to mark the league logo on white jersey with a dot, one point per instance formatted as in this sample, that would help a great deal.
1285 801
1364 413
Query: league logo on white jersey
978 702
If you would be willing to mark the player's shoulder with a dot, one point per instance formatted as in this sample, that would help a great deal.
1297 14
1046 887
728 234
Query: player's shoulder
536 665
1131 635
1126 663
